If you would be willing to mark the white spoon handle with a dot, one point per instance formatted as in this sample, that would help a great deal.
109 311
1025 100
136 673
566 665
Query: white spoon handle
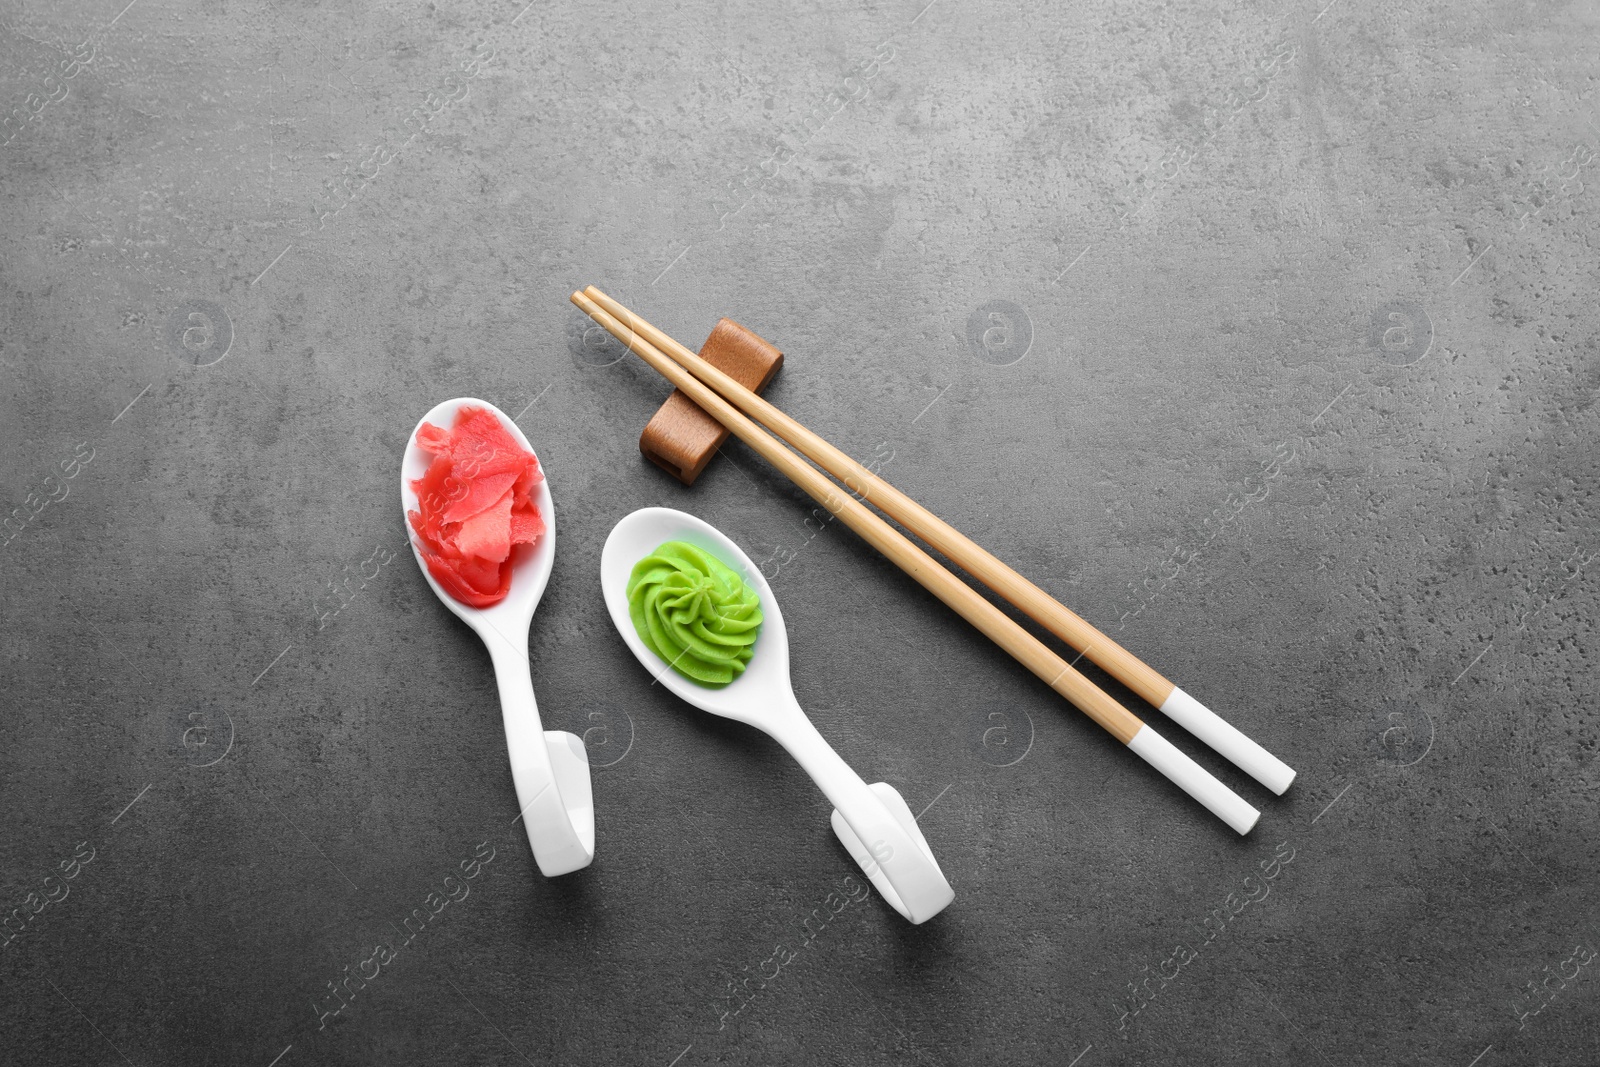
893 855
550 769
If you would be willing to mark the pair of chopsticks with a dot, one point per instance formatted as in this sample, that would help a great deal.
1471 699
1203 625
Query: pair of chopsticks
735 407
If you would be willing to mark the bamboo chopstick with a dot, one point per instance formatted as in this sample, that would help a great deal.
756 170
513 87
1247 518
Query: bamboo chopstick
962 598
1034 602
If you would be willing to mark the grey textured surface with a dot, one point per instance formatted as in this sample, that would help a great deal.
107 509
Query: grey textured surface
1077 276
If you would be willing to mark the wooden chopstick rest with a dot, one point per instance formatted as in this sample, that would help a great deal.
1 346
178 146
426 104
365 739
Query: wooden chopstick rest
680 437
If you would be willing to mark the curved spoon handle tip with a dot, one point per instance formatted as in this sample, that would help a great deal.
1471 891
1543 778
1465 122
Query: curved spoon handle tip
915 878
564 842
551 771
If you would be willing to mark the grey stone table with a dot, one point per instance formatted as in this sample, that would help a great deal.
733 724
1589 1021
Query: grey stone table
1264 337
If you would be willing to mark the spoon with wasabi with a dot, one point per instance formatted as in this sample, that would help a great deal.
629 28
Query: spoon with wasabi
673 583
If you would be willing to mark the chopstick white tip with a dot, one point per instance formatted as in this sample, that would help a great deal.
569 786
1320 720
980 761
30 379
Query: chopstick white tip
1228 742
1194 779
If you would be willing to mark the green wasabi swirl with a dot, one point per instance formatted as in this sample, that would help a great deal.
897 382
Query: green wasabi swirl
694 612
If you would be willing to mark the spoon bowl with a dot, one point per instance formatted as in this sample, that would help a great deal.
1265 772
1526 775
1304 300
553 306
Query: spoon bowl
531 564
638 535
898 861
549 767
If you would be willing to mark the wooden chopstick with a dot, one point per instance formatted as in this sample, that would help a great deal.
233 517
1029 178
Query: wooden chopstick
1034 602
962 598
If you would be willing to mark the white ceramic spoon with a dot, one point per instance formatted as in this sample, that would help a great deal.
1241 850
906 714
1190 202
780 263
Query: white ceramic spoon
550 767
898 862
